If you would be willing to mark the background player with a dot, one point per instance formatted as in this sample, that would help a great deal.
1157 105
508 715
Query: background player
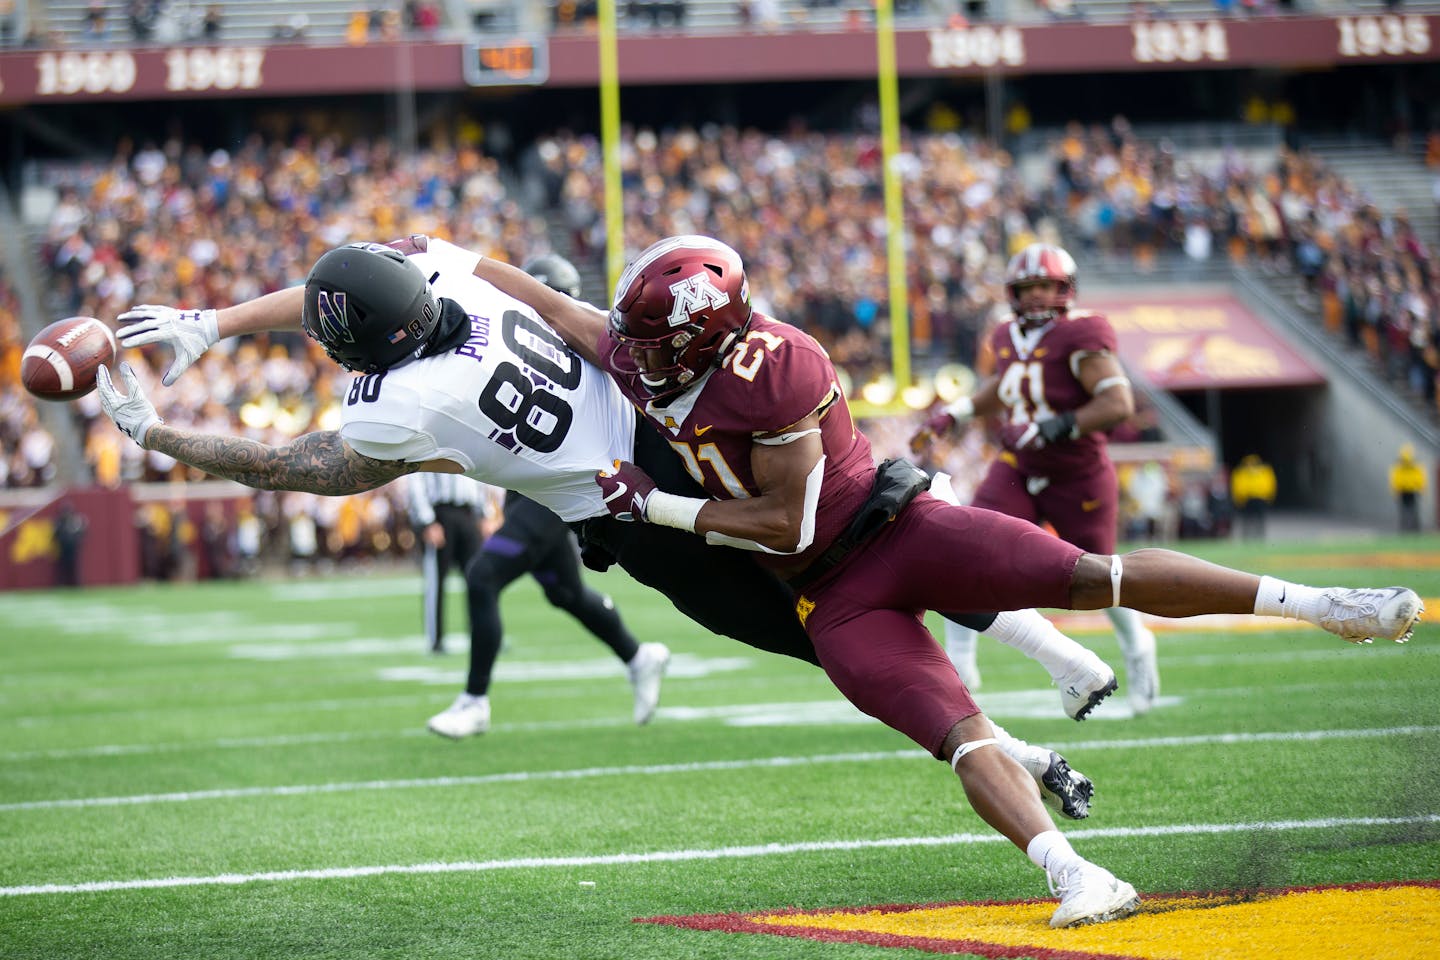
1057 387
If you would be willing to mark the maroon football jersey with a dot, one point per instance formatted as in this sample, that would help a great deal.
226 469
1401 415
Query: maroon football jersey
1039 378
773 378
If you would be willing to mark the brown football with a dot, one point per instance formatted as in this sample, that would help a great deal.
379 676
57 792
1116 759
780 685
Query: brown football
60 363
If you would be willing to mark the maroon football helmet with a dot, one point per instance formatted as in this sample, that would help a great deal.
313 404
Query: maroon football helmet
678 307
1041 261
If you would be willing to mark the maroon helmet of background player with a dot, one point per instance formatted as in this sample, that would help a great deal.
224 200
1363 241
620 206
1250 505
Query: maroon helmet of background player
678 307
1036 263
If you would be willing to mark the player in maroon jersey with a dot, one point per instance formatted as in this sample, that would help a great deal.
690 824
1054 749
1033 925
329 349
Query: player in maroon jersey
1057 387
754 409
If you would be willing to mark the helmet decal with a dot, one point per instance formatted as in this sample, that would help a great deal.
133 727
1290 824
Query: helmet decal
695 294
330 306
677 308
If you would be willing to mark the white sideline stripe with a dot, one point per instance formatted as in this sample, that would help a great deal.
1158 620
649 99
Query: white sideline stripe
528 776
681 856
525 776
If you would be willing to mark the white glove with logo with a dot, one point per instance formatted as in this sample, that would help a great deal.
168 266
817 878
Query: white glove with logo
134 414
187 332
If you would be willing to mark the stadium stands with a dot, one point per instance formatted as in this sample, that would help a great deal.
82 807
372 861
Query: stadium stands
329 21
173 223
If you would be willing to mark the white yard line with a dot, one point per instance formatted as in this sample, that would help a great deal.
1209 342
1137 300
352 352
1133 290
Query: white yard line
681 856
670 768
522 776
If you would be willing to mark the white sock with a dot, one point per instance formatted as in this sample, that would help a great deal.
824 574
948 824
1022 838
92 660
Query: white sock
1051 852
1038 639
1035 760
1293 601
1130 630
960 643
471 700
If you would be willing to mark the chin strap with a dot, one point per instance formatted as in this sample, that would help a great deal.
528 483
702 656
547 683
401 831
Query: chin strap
451 330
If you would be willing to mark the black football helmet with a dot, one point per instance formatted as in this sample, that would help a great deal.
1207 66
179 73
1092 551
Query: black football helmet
555 272
680 306
369 307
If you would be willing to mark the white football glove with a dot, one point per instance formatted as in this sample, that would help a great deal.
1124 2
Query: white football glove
187 332
134 414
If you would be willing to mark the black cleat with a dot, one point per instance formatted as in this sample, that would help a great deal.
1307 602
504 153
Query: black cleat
1066 790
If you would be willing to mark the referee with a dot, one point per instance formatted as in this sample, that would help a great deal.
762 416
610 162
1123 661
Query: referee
443 508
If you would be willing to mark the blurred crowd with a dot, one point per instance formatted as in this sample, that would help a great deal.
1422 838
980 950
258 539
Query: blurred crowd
1367 272
176 224
806 209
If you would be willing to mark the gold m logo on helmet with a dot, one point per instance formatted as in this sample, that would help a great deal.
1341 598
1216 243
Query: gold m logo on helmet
693 295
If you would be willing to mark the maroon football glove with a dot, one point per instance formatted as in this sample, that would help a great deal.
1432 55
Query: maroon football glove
625 488
937 426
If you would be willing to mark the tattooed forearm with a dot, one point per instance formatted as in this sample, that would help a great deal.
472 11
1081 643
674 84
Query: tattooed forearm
315 463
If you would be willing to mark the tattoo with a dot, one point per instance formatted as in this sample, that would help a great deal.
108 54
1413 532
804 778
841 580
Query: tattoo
315 463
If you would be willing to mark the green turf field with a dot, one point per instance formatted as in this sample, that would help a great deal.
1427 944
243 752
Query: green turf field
241 771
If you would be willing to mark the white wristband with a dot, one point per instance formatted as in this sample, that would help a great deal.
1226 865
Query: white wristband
962 409
668 510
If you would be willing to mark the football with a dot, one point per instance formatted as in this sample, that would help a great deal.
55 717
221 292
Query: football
60 363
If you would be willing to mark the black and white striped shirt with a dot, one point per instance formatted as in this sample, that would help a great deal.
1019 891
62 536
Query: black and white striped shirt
453 489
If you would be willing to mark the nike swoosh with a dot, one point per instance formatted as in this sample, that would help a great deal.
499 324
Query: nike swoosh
620 490
701 431
1282 593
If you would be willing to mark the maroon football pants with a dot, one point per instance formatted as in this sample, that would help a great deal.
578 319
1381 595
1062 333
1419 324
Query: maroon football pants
867 616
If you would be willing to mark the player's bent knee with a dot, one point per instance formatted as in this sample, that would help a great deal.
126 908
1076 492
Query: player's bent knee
563 597
481 576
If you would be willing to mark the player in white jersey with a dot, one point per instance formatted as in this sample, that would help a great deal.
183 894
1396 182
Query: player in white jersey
509 403
455 377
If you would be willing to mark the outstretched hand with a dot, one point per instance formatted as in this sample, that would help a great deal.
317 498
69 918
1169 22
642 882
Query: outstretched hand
626 489
935 427
189 333
132 412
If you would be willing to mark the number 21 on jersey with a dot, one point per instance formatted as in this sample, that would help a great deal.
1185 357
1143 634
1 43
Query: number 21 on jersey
744 361
745 364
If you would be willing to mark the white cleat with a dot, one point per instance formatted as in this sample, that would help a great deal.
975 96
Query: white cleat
1082 689
1142 674
1389 613
466 717
1090 894
646 670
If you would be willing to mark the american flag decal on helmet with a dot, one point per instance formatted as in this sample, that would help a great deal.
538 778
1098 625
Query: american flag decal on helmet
397 336
331 309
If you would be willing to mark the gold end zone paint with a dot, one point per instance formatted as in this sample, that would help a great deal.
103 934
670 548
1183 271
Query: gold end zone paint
1398 920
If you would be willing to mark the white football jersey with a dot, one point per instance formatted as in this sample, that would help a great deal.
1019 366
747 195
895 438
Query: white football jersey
513 405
